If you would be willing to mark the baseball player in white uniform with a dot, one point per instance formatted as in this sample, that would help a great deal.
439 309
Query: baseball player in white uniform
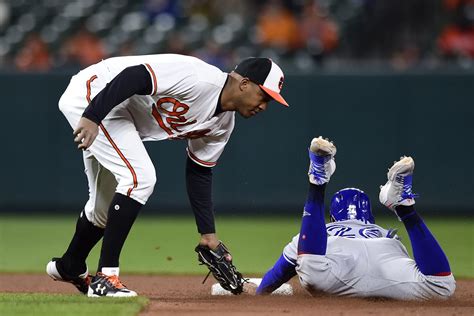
352 256
115 105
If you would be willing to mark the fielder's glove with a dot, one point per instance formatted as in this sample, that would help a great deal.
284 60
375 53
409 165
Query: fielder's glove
220 265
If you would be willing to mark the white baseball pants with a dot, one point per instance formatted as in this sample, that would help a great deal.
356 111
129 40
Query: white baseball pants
117 161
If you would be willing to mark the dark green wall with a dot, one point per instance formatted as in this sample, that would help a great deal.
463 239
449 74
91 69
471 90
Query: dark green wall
373 119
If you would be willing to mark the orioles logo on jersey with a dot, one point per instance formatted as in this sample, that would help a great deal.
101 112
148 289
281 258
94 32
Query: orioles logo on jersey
173 110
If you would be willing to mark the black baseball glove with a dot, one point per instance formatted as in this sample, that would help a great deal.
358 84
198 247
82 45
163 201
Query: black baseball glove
219 262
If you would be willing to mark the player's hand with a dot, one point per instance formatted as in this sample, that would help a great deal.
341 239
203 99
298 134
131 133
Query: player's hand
85 133
209 240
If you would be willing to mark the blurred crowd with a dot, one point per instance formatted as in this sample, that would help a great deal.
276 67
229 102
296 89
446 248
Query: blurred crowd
303 35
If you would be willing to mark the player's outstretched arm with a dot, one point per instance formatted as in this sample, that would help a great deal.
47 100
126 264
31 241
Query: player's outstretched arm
211 251
199 188
281 272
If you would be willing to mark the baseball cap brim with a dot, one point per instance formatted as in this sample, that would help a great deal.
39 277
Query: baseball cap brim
275 95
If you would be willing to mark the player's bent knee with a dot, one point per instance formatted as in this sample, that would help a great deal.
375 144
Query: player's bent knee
148 184
451 290
139 188
448 289
441 287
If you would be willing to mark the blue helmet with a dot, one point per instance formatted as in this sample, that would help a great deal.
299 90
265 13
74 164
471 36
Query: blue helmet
351 203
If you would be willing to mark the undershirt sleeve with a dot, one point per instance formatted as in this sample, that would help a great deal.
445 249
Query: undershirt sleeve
130 81
199 187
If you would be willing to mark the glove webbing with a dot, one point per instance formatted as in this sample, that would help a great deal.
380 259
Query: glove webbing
222 270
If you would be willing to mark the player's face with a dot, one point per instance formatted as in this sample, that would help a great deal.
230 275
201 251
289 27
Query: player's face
253 100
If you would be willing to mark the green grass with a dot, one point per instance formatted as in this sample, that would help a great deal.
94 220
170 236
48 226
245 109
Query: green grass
46 304
165 244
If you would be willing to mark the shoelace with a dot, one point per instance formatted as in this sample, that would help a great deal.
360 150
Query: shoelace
114 281
317 167
406 181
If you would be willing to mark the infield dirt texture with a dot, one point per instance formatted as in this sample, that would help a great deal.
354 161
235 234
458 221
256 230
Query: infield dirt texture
167 273
185 295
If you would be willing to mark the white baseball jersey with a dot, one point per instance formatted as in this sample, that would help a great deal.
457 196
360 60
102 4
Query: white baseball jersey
362 261
182 104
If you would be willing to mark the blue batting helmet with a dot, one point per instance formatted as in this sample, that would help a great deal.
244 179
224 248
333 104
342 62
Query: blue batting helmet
351 203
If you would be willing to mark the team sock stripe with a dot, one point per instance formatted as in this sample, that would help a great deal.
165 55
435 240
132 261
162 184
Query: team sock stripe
127 163
152 73
199 161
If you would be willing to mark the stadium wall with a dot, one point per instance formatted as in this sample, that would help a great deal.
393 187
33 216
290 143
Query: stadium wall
373 118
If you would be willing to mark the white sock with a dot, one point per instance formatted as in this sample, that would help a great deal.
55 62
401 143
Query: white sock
111 270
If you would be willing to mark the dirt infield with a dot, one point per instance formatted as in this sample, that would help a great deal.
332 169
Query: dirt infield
185 295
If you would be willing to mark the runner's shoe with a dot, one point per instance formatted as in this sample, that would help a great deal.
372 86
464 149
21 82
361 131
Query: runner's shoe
108 285
398 189
56 271
322 164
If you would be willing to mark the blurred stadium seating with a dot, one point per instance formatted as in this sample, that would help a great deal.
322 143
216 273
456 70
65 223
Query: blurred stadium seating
303 35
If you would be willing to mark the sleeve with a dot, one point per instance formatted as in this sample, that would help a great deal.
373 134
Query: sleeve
132 80
290 252
199 187
171 77
205 151
281 272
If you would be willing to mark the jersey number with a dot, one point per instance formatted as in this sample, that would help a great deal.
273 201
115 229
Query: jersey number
340 230
343 231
